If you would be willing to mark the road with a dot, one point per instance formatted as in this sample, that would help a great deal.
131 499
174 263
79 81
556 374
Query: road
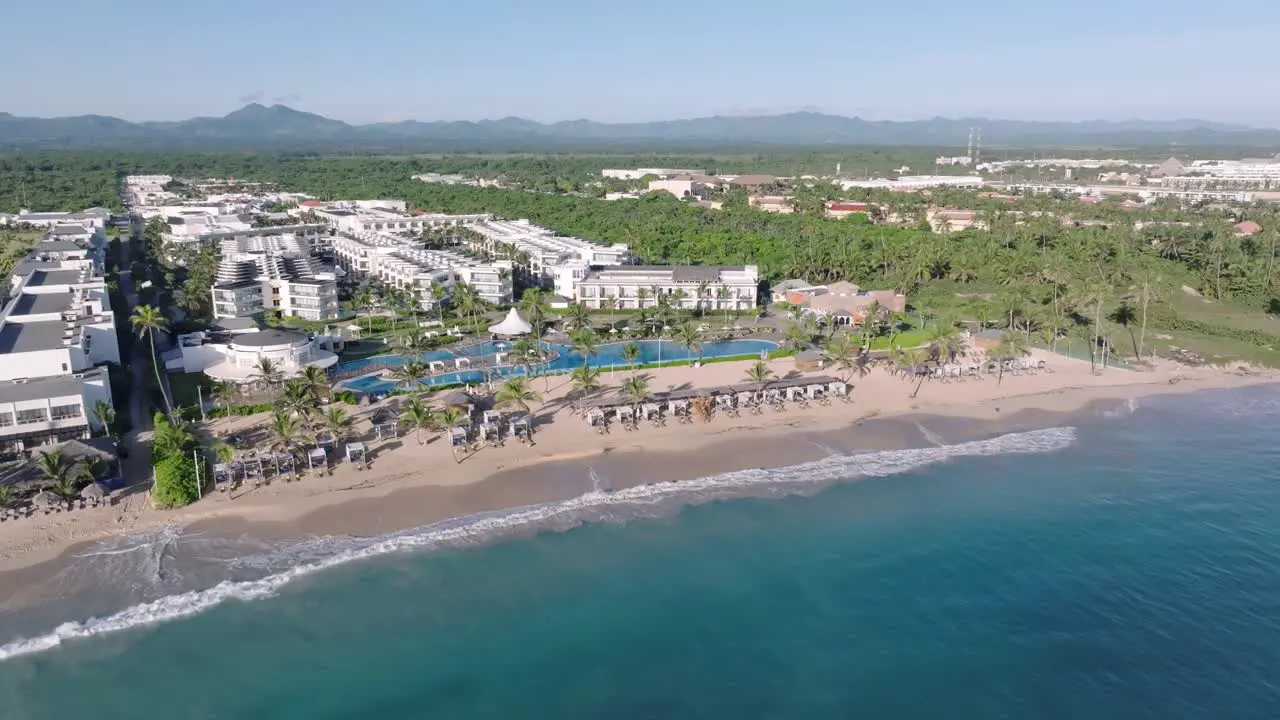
137 467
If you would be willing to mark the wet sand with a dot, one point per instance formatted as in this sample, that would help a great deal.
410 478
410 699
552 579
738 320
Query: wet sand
560 480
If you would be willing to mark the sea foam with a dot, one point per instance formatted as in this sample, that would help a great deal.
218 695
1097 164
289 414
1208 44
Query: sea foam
322 553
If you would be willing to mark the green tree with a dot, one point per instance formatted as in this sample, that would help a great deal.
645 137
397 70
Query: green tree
408 374
690 338
516 393
630 354
418 416
586 382
585 343
1012 346
147 321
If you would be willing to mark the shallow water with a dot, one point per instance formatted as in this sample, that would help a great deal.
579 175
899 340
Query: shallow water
1122 568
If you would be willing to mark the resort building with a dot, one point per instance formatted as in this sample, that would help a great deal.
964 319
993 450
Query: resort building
370 216
686 186
638 173
638 286
949 220
843 209
781 204
92 219
56 332
310 238
844 303
279 279
543 256
236 356
404 263
911 183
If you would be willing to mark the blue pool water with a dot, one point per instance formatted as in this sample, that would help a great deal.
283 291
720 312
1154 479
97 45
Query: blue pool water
610 354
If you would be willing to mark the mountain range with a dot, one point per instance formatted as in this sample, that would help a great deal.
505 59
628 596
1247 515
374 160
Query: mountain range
278 127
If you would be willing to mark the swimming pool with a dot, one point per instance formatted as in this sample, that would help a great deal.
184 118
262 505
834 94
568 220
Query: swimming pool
609 355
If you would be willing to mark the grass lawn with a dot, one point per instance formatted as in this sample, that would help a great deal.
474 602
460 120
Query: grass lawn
184 385
1224 313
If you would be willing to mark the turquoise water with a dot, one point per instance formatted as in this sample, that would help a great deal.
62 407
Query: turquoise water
610 355
1126 568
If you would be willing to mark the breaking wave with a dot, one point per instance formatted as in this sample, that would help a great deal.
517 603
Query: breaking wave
317 554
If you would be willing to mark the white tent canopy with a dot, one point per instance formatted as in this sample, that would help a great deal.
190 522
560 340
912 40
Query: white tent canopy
512 324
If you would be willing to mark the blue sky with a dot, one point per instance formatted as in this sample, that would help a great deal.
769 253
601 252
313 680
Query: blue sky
648 60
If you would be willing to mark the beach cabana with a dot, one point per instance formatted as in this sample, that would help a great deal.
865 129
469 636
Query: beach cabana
595 416
512 325
651 411
356 454
284 463
252 467
317 457
489 433
518 427
492 416
222 474
326 441
457 436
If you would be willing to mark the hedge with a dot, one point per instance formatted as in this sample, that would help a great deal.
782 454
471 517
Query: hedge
176 483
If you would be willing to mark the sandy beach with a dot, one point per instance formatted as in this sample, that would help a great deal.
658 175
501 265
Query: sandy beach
412 484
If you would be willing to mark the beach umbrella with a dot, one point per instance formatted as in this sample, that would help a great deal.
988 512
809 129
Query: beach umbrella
94 491
457 398
46 499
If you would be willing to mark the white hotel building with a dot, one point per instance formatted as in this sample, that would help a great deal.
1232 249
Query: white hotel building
711 287
259 275
403 263
56 332
561 261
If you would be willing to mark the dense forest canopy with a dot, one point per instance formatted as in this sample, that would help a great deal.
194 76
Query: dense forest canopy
1040 267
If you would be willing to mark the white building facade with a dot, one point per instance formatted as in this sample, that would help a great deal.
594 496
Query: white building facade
710 287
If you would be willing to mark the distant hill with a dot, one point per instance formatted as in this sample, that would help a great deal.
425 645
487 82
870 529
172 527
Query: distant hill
278 127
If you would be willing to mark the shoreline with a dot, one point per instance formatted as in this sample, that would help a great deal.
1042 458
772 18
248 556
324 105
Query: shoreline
511 477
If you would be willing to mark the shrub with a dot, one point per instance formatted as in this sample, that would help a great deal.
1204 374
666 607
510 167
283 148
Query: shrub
176 483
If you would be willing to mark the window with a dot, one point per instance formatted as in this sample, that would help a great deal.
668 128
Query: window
66 412
29 417
6 419
64 367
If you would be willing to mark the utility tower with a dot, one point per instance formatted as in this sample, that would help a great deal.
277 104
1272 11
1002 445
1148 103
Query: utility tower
970 154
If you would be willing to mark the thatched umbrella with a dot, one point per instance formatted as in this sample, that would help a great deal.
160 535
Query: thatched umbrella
94 491
458 399
46 499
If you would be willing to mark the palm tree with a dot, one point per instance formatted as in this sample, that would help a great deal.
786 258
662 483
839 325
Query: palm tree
147 320
759 372
630 354
316 380
1011 347
55 468
585 343
527 354
171 437
635 389
944 343
722 297
6 496
689 337
267 372
364 300
408 373
297 400
106 414
284 432
579 316
609 304
843 352
337 422
417 415
642 294
915 359
1146 288
798 336
586 381
515 392
534 304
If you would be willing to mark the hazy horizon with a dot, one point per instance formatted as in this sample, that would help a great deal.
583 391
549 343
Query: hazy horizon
396 60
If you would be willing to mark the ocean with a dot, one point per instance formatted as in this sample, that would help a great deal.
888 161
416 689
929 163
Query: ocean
1124 565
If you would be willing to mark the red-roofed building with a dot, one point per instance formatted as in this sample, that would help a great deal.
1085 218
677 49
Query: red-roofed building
311 204
839 209
1248 227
